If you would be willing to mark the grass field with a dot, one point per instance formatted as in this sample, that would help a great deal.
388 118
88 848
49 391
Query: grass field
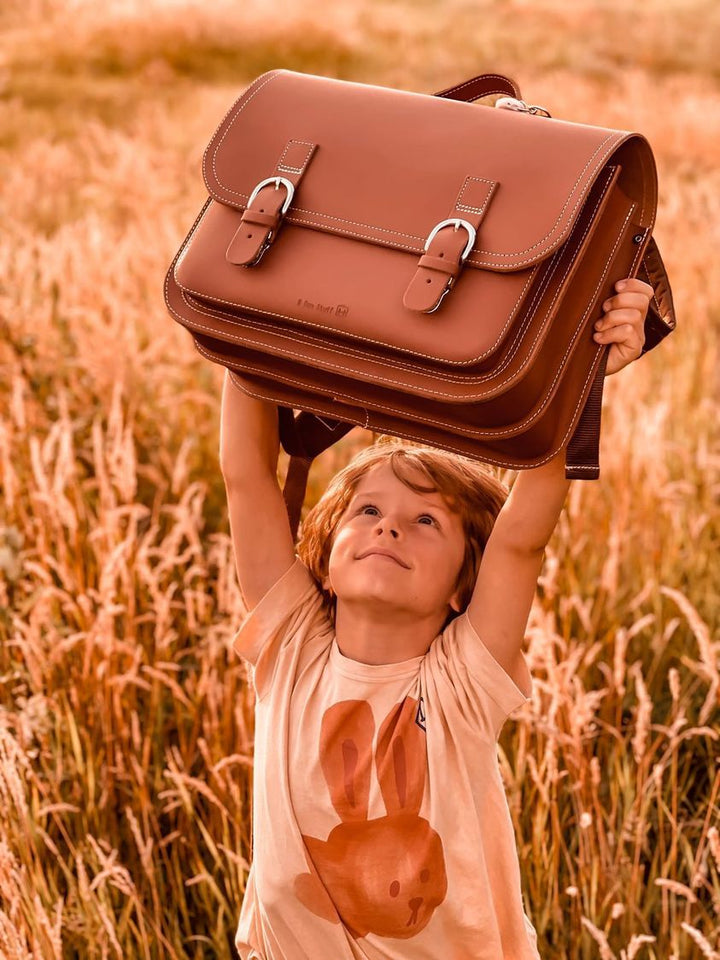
126 724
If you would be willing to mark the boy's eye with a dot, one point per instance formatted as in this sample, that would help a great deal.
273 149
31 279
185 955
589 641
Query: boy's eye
371 506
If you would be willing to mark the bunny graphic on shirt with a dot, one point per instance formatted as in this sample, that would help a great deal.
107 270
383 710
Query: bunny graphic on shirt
384 876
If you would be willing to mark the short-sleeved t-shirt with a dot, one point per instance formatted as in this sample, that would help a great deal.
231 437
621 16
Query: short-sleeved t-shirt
381 827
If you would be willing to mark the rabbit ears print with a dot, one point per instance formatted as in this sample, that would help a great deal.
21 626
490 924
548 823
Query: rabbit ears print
346 739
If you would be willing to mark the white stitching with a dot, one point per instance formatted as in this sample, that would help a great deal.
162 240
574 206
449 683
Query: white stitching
475 261
281 166
645 180
552 266
256 83
254 322
445 446
643 266
467 206
243 386
487 93
245 99
409 436
490 76
637 254
470 431
269 313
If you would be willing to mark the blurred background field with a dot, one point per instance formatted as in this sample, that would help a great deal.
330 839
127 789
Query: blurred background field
126 724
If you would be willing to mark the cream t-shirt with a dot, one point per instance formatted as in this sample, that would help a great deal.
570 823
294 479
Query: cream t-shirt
381 828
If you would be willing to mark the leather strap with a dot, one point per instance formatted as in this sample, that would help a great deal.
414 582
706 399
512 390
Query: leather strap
660 320
483 85
304 437
439 267
260 219
582 455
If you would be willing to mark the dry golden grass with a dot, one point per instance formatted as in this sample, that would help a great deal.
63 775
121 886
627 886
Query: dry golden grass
126 726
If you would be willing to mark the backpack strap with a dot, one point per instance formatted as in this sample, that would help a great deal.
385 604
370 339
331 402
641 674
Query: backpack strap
484 85
304 437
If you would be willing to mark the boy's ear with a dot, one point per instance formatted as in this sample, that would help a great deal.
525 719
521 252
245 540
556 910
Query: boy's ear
455 601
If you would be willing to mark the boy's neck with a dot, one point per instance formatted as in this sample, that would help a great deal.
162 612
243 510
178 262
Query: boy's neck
377 634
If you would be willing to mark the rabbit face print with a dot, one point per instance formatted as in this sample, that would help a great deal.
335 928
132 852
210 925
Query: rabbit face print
384 876
407 595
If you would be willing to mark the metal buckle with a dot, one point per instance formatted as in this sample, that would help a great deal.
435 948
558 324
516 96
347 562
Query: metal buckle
286 203
442 297
512 103
277 181
457 222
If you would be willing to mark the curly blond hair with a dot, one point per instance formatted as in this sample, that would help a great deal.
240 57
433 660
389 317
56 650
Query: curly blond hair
466 486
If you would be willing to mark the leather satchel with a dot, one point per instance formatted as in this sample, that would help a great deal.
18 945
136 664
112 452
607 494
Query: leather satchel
417 265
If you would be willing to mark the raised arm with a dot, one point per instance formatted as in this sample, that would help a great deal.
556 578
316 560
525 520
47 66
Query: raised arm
259 526
513 557
512 561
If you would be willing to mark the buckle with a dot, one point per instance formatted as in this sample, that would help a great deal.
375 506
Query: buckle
270 235
511 103
456 222
277 181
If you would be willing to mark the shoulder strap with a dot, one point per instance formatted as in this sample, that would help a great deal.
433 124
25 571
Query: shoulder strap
304 437
484 85
660 319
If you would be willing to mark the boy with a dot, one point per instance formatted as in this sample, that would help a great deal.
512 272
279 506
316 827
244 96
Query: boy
386 657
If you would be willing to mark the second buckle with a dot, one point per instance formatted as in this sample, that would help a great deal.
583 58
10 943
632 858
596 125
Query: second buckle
456 222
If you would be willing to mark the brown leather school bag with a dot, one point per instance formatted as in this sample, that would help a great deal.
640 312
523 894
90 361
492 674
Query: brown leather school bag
417 265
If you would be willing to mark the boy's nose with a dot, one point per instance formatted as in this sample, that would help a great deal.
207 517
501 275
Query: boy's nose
388 527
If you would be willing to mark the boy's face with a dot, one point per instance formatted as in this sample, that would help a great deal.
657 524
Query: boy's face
419 528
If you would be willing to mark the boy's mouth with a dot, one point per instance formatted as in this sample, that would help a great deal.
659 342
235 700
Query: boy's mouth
386 554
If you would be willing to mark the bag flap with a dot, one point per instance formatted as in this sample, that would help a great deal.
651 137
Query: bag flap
390 164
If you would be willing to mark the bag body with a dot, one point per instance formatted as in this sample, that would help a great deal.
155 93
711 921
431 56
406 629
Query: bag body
418 265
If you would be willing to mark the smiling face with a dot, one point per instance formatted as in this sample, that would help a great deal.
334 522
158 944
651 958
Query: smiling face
427 538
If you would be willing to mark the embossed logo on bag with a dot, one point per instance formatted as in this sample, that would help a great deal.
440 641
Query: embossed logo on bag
339 310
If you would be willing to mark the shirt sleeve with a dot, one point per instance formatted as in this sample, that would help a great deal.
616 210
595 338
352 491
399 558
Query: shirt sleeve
291 611
484 688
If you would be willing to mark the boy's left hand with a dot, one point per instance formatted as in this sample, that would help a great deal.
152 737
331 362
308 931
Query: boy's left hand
623 323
